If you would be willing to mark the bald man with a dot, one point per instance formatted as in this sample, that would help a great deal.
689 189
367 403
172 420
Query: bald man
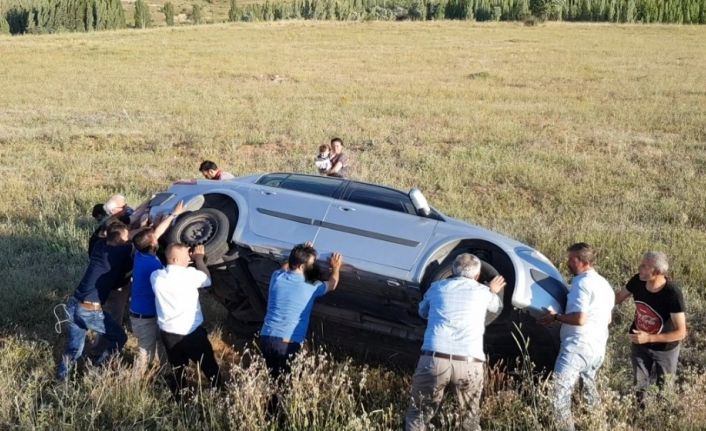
179 313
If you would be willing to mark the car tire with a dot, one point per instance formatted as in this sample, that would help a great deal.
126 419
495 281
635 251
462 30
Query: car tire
487 272
207 226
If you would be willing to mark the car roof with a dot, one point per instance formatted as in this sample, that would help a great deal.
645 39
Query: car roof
341 180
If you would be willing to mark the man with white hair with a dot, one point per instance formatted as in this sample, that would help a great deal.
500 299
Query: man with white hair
659 325
452 353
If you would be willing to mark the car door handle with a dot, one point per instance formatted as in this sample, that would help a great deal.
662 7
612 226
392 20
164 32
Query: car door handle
346 209
267 193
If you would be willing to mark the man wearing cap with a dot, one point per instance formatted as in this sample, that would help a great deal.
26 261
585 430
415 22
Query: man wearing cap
452 353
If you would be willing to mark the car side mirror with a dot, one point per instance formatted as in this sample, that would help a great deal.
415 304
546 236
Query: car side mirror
420 202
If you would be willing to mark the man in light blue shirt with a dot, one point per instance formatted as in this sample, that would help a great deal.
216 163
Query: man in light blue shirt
289 304
584 333
452 353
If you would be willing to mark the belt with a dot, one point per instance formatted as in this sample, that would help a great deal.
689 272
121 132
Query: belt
92 306
447 356
142 316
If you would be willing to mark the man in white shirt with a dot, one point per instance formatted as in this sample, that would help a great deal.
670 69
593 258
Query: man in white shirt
179 313
584 333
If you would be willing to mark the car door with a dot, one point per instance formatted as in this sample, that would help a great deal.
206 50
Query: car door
375 227
381 238
287 209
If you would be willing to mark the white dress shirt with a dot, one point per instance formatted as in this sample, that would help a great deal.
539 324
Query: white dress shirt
176 290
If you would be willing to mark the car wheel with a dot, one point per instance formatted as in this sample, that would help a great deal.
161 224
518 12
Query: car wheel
207 226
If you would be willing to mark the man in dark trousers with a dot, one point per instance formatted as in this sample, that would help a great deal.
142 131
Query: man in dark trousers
109 263
291 299
659 325
176 290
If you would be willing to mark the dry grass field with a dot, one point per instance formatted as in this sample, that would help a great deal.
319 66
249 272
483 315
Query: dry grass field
550 134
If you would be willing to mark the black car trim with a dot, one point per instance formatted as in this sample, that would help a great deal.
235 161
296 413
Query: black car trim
369 234
290 217
340 228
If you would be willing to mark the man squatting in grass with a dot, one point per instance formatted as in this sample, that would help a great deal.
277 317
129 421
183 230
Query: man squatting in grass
659 324
109 263
452 353
584 333
291 298
143 309
210 171
176 290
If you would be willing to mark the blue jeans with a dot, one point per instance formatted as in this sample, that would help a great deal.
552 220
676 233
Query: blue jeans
575 361
80 321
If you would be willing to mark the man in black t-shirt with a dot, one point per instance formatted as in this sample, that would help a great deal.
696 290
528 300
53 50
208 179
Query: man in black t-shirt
660 322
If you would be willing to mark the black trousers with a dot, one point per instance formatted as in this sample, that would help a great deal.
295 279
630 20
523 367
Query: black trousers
277 354
194 346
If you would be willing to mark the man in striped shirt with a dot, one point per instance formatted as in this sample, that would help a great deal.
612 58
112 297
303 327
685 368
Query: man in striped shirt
452 353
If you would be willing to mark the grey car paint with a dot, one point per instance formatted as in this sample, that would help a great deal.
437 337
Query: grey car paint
379 245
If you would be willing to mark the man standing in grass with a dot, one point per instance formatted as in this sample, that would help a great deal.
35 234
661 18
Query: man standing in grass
291 298
143 308
659 325
452 353
584 333
176 289
109 263
210 171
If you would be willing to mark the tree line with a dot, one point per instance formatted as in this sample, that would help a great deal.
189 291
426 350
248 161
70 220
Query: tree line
48 16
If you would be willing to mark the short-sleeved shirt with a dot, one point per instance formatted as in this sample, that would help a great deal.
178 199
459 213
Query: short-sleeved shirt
590 293
456 309
653 311
223 175
345 164
142 297
176 290
291 299
108 267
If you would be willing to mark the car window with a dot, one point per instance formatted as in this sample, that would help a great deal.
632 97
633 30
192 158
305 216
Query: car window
323 186
380 197
272 180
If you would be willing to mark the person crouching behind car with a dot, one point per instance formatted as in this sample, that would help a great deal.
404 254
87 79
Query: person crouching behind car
452 353
179 314
291 298
210 171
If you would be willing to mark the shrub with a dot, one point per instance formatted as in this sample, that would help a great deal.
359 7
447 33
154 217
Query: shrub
168 10
143 18
4 25
233 12
196 13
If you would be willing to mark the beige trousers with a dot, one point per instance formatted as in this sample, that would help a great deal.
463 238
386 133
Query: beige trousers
147 333
429 383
